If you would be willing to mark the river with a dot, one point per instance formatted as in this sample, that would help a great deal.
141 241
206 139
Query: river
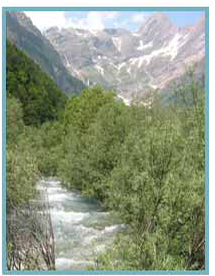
81 228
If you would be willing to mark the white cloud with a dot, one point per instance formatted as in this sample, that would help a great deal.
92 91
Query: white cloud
138 17
46 19
110 15
94 20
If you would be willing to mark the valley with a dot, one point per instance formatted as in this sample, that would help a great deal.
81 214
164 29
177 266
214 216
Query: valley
106 146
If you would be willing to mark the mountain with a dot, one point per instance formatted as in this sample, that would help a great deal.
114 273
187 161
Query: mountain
132 63
27 37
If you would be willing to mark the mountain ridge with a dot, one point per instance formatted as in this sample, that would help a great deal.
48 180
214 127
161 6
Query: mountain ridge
132 63
22 32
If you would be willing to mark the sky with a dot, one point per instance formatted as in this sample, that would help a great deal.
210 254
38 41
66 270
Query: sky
105 19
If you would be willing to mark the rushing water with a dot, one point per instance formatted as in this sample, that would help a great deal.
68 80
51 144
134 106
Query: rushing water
81 228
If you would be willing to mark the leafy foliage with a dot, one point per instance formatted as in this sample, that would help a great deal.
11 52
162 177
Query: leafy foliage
21 165
81 110
147 164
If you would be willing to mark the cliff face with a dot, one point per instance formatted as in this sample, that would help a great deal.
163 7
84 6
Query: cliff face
28 38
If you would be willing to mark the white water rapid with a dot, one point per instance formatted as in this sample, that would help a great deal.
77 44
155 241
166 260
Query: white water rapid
81 228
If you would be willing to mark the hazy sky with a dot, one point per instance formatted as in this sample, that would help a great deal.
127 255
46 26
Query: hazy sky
103 19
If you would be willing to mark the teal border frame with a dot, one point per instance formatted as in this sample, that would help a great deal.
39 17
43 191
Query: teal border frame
106 272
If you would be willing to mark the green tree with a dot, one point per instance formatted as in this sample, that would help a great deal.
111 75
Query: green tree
39 96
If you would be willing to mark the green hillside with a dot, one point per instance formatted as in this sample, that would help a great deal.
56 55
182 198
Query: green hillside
40 98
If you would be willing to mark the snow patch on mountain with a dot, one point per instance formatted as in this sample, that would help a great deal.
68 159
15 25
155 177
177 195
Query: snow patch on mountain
136 34
93 32
67 62
171 49
100 69
117 43
121 65
137 61
129 70
77 32
142 46
153 86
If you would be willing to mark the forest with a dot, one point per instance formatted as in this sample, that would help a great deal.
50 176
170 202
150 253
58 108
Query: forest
145 164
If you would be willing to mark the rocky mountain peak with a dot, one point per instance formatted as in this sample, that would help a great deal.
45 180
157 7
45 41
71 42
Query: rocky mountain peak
25 22
156 28
157 19
52 29
132 63
22 32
